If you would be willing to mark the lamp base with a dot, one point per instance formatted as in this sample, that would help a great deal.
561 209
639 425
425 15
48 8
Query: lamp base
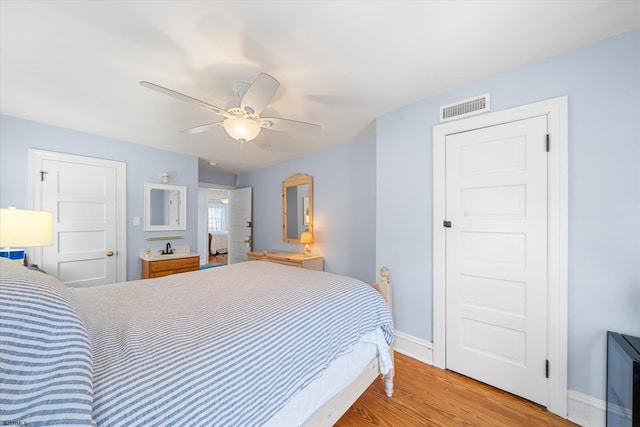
307 250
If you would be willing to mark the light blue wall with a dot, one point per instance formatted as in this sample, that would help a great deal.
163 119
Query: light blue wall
343 206
602 82
213 177
144 164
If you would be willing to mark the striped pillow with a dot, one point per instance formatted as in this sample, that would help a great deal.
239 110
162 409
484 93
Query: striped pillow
45 352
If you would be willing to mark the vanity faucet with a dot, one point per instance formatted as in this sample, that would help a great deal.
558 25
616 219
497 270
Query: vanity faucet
168 249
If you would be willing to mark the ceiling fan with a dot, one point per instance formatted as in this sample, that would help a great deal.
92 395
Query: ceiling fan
243 123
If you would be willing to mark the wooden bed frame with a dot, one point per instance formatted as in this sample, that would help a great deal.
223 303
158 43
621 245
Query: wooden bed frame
329 413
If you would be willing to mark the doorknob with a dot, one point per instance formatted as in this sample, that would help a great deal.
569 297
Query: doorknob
109 253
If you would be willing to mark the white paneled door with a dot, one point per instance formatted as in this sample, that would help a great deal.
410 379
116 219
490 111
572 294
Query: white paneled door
82 193
240 225
496 256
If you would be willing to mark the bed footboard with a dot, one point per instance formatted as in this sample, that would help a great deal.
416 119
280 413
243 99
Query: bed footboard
384 287
331 411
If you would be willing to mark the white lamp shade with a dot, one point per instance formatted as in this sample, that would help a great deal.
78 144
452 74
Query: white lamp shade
23 228
241 129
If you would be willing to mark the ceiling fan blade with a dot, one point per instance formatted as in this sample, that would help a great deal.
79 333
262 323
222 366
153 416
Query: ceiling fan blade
202 128
286 125
259 94
185 98
262 141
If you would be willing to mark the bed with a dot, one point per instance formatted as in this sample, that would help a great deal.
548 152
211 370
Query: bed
248 344
218 243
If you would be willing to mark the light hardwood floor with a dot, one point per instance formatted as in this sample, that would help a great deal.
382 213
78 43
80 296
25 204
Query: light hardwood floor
428 396
217 259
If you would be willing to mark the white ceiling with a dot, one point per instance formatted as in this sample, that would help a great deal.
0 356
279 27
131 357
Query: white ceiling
341 64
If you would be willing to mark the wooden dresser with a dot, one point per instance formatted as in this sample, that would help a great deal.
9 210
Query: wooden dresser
163 267
313 262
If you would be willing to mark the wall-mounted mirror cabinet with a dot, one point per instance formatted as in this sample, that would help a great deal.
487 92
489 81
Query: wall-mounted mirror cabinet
297 207
165 207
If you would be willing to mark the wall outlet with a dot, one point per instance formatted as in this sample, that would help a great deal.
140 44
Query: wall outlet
136 220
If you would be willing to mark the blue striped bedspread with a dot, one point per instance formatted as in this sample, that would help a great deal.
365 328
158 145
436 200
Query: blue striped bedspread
45 352
226 346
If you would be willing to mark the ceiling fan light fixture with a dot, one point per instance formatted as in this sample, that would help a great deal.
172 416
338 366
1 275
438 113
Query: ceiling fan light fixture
241 129
242 120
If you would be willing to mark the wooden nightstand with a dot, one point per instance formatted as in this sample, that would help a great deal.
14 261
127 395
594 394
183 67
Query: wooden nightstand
313 262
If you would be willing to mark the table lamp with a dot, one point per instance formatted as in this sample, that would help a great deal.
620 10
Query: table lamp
306 237
25 228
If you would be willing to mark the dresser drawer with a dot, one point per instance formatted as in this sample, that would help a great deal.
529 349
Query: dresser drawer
165 267
314 262
285 262
174 264
161 274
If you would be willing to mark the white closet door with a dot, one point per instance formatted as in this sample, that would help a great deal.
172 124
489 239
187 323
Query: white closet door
82 198
496 273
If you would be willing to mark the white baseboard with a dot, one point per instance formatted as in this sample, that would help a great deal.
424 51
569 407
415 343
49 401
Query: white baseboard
586 410
414 347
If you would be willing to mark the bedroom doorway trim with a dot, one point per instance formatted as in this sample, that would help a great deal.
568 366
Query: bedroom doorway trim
207 192
556 110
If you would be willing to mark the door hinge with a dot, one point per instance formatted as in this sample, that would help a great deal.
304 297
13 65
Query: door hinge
42 174
548 143
546 368
447 224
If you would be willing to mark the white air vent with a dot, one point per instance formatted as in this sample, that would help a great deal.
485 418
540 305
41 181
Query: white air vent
464 108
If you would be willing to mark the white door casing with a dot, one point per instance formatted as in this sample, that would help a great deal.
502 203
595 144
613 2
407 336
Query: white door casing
556 114
496 186
86 196
240 224
223 192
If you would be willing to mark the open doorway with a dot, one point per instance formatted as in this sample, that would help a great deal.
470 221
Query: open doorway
228 217
217 226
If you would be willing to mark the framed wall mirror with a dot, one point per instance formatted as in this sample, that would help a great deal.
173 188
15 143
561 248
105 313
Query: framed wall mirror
297 207
165 207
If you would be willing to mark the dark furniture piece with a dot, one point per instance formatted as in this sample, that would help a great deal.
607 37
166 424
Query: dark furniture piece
623 380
